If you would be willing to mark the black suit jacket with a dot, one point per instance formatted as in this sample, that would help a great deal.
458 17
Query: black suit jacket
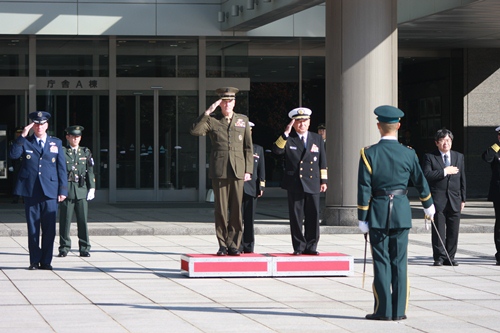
445 189
305 168
258 182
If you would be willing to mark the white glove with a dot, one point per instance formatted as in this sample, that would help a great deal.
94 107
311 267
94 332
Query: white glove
363 226
429 212
11 169
91 194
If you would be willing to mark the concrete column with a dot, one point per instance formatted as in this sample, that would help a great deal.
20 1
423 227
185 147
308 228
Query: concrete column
361 74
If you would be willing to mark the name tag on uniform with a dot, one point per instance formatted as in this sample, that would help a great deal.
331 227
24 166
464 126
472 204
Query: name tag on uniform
293 148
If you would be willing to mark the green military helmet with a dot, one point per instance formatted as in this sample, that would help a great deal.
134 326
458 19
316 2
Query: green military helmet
388 114
74 130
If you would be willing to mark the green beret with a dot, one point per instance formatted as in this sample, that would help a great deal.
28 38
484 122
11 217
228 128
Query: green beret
388 114
74 130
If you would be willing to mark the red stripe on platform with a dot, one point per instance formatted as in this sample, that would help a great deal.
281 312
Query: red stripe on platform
310 266
184 265
230 267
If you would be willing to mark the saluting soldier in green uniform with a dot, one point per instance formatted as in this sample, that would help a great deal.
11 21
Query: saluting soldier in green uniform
384 212
231 163
81 187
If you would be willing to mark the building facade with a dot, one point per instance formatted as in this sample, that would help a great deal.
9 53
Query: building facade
136 74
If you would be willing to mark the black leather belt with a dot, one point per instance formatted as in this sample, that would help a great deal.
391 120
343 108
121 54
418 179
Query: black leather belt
391 194
381 193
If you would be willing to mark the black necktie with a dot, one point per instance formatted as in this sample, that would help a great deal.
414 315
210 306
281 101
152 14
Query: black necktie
304 141
40 143
446 160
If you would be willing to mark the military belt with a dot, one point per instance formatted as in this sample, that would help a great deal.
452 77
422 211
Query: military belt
381 193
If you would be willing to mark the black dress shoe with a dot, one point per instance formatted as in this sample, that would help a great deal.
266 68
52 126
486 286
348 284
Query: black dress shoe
84 254
297 253
403 317
438 263
222 251
376 317
233 252
312 253
33 267
46 267
62 254
453 263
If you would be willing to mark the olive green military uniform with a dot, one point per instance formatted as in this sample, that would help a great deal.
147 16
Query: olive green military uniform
80 169
383 174
230 158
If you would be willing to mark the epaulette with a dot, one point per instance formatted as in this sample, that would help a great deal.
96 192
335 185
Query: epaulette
408 147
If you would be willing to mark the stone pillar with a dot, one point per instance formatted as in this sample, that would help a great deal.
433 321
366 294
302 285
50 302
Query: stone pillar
361 74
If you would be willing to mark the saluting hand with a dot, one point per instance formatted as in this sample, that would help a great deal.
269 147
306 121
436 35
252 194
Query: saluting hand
213 107
289 127
26 129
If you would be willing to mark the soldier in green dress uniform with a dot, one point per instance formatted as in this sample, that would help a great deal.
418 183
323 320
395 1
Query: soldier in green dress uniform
231 164
384 212
81 188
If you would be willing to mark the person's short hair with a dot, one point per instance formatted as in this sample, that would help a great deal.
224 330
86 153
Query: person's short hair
388 127
442 133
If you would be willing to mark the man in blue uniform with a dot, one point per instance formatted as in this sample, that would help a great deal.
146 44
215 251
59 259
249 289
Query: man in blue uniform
252 190
305 177
42 183
384 212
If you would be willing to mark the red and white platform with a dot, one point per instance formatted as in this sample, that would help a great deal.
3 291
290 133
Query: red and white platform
267 265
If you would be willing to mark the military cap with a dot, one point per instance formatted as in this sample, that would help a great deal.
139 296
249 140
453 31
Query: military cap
251 124
39 117
497 129
19 130
300 113
74 130
388 114
321 126
227 92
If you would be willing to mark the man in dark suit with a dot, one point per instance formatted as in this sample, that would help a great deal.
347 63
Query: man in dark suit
42 183
445 172
305 177
81 188
231 164
384 212
492 156
252 190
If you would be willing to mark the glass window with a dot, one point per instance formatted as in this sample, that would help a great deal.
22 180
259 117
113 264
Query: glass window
313 89
227 58
71 57
14 56
178 148
157 58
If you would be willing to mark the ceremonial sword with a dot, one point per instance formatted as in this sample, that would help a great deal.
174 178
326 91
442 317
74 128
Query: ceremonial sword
427 217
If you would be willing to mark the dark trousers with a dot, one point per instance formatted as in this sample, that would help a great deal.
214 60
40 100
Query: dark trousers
303 209
228 195
496 232
80 207
448 224
41 213
390 277
249 206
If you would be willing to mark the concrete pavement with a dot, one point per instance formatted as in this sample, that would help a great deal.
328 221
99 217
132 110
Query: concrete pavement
132 281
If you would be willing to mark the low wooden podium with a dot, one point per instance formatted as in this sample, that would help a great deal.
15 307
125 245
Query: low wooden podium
266 265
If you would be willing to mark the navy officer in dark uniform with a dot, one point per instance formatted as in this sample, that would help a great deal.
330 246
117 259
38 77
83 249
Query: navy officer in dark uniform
42 182
384 212
305 177
492 156
81 188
